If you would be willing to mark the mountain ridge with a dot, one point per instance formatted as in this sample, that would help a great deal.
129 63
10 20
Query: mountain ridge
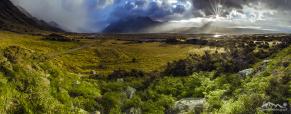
133 24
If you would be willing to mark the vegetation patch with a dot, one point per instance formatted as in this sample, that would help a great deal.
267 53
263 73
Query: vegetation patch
57 37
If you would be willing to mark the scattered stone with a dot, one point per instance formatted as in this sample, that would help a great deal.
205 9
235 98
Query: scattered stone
133 110
266 61
246 72
96 112
77 82
120 80
47 75
130 91
46 82
94 72
82 111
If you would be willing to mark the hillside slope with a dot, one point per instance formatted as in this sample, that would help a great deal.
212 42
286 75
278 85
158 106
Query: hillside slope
13 19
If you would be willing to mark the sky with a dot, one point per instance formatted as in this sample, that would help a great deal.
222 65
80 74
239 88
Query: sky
96 15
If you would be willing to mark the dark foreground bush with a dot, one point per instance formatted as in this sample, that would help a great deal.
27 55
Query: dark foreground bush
235 59
123 74
57 37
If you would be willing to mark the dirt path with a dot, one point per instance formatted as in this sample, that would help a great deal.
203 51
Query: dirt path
53 55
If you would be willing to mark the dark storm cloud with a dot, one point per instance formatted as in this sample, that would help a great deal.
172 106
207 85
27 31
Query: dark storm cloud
95 15
152 8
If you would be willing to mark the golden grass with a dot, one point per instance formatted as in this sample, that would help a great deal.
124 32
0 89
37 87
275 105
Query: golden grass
114 54
89 54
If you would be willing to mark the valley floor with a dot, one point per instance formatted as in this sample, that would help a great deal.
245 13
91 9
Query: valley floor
102 56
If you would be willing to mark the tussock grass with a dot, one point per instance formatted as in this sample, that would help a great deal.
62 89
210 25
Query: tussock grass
102 56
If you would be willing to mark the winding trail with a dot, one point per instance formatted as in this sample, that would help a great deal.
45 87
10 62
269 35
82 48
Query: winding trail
53 55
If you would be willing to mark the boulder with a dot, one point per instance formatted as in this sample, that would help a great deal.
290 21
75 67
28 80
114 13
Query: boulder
96 112
130 91
266 61
94 72
77 82
133 110
120 80
189 105
82 111
246 72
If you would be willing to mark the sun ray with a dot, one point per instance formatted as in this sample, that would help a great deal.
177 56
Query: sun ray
216 8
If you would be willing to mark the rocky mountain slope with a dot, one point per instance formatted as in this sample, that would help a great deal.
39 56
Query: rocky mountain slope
15 19
131 25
